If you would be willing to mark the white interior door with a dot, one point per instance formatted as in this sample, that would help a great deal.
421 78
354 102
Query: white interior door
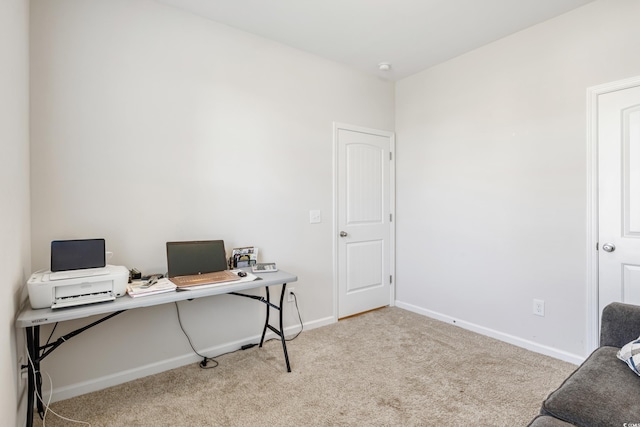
619 197
364 237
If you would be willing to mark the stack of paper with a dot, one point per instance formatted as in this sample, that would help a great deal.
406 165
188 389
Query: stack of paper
140 289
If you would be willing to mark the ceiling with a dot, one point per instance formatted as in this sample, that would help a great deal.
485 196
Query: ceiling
412 35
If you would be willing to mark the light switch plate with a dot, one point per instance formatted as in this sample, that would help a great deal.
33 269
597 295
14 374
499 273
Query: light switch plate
314 216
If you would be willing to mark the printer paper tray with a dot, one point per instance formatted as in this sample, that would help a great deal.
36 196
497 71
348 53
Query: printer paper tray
73 301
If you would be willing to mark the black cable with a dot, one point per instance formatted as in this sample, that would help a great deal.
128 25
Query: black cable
295 299
205 359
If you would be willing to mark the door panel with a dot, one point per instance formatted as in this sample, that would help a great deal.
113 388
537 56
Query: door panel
364 175
619 197
363 219
631 170
631 283
365 265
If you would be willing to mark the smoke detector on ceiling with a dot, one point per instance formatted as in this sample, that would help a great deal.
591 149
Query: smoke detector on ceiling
384 66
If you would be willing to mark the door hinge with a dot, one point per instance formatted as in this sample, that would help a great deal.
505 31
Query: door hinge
597 243
390 279
390 155
390 217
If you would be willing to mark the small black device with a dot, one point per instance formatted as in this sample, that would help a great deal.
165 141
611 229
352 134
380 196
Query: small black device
242 273
134 274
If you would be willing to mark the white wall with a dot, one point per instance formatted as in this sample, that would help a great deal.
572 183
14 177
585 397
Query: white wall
149 125
491 198
15 249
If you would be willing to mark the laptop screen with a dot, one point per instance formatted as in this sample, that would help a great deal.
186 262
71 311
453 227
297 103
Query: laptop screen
77 254
195 257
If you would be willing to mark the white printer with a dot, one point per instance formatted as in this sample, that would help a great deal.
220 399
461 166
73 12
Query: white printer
77 287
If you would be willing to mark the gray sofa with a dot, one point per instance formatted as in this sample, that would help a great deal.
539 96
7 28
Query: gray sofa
603 391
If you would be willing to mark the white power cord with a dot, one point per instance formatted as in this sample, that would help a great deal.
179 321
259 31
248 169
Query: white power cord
46 405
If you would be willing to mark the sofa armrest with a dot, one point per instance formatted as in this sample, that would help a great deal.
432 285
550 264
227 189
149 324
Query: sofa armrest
620 324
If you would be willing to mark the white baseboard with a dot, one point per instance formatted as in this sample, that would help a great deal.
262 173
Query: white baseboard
520 342
100 383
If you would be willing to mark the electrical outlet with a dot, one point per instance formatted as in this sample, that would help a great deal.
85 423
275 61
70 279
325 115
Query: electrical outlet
22 372
290 297
538 307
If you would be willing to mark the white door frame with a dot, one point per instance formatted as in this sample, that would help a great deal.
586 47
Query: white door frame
593 312
392 208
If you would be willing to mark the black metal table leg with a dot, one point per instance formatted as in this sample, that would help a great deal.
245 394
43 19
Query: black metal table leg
266 321
31 386
279 332
34 380
284 341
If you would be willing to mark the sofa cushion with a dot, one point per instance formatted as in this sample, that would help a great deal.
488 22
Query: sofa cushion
630 354
547 421
620 324
601 392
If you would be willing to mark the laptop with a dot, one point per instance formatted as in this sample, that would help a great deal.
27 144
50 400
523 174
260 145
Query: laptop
197 263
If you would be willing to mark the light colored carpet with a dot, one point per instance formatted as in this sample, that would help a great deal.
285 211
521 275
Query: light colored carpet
389 367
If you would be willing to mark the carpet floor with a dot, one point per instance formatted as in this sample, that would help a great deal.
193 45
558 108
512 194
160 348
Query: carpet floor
389 367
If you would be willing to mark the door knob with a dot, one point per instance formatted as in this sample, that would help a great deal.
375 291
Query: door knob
608 247
343 234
